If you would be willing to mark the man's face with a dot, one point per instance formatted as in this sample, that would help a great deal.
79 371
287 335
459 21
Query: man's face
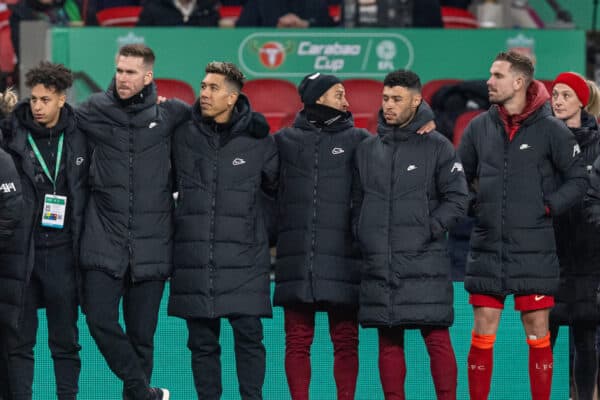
216 98
45 104
503 83
335 97
399 104
132 75
565 102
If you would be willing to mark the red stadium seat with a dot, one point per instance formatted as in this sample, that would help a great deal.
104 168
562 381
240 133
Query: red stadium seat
364 96
119 16
229 15
335 12
461 123
170 88
458 18
277 99
434 85
7 53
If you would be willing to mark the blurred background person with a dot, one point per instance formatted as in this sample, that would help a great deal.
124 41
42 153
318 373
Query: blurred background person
179 13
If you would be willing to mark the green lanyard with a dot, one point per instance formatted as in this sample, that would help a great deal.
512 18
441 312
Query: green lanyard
38 155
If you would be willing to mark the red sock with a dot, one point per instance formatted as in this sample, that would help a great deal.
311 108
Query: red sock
480 363
540 367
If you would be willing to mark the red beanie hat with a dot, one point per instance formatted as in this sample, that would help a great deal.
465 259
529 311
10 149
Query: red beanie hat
577 83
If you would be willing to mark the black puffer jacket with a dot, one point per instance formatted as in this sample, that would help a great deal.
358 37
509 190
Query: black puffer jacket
414 190
164 13
512 244
12 274
316 259
128 221
20 250
577 246
222 258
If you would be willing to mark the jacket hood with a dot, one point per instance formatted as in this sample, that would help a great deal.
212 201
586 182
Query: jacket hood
536 99
341 124
243 120
423 115
23 118
147 97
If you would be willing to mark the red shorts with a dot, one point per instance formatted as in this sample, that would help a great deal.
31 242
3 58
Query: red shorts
527 302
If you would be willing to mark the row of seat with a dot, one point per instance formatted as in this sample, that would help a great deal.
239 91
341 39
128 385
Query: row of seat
452 17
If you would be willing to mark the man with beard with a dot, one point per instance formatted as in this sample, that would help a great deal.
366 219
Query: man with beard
51 157
225 163
525 168
126 248
413 191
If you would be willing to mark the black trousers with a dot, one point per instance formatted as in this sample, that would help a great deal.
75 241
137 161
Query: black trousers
129 354
203 341
52 285
4 381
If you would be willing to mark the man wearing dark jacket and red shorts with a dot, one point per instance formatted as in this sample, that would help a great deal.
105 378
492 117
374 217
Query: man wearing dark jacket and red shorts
512 156
413 189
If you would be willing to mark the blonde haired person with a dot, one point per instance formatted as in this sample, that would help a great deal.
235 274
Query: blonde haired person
593 106
8 100
576 238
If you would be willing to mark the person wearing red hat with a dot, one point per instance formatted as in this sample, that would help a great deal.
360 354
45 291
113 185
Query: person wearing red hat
576 239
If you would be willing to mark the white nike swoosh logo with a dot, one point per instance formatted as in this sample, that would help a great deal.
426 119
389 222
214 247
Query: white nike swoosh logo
538 298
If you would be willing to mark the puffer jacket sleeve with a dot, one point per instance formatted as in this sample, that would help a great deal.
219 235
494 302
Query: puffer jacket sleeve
592 201
11 200
270 172
566 157
451 187
467 153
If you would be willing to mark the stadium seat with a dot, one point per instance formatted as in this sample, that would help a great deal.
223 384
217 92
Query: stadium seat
335 12
126 16
277 99
458 18
170 88
364 96
434 85
7 53
461 123
229 15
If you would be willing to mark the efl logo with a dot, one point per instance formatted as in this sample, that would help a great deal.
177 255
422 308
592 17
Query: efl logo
272 54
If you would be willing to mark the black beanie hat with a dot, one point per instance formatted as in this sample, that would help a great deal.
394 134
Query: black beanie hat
314 85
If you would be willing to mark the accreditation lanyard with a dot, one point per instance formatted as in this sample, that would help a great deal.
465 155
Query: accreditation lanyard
55 206
39 157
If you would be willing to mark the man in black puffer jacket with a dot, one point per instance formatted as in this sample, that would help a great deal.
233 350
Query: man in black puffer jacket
11 208
126 248
318 266
512 155
224 161
413 191
50 154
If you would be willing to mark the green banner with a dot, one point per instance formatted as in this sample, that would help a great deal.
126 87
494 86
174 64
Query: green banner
290 54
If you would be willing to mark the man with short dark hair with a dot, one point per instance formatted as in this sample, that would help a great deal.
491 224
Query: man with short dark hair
524 166
51 157
413 191
126 249
225 161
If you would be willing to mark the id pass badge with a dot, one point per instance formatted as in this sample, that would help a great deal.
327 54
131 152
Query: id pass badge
53 215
